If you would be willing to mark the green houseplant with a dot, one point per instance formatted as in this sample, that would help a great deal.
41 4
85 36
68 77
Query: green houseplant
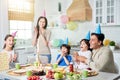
112 45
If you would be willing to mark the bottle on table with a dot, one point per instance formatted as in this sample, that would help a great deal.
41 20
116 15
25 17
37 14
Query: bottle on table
71 68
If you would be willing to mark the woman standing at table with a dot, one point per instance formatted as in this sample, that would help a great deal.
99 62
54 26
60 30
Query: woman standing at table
9 49
42 37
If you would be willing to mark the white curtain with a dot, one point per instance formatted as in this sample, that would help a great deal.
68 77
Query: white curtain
4 29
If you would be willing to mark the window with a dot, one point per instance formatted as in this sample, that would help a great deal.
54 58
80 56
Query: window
21 14
110 11
99 11
24 29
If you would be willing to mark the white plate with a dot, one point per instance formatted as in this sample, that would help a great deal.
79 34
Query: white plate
20 71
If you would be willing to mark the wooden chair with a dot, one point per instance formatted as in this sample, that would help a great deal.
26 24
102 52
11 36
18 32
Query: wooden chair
4 62
43 59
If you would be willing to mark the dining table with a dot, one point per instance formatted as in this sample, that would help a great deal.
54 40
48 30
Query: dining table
100 76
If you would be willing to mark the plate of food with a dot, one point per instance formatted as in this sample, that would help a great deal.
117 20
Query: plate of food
91 72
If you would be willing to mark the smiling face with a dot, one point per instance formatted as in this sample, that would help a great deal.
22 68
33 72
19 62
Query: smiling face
42 23
94 42
83 46
9 42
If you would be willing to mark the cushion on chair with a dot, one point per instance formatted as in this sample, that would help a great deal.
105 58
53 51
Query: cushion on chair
43 59
4 61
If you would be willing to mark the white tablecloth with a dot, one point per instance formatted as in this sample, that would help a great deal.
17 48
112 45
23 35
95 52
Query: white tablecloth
100 76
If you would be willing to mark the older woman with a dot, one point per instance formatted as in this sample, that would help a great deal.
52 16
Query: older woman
102 57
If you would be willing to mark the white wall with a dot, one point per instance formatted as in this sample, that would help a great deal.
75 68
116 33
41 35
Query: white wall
39 7
111 32
3 21
75 36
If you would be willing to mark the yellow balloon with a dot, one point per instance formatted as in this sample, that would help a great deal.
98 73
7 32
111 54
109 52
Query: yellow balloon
71 25
106 42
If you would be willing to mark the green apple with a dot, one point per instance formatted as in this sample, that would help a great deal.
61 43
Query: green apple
55 66
58 75
29 73
84 73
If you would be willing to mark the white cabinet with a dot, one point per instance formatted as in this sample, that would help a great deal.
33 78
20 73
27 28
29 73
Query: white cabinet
117 60
107 12
23 55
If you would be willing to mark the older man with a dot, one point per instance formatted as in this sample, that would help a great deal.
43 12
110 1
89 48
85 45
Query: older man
102 57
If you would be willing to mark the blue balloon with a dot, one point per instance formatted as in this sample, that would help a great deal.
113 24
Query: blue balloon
57 42
61 42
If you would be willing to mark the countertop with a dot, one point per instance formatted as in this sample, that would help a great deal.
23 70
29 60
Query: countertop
116 51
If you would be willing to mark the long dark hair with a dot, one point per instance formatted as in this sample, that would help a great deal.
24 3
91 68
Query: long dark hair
46 22
66 46
6 37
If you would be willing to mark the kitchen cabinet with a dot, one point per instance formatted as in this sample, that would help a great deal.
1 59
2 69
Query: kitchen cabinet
107 12
23 54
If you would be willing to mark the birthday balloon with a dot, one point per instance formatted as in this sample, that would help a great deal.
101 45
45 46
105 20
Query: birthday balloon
64 19
57 42
106 42
72 25
61 42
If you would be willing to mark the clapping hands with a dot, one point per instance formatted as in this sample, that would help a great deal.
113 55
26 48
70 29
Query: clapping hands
63 54
35 30
75 55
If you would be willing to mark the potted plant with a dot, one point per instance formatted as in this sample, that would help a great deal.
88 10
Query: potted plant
112 45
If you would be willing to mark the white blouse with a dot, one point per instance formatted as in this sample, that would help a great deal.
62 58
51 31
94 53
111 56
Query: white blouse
86 54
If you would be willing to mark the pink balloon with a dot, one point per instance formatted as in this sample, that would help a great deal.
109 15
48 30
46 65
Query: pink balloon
64 19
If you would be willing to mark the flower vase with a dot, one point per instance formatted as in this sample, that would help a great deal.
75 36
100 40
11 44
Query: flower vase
112 48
